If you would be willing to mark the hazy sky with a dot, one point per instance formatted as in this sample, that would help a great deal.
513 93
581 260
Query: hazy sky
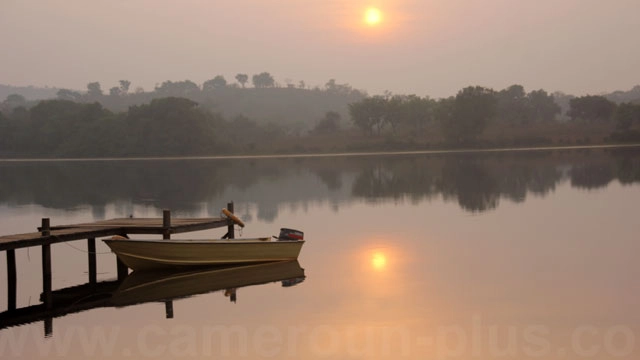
426 47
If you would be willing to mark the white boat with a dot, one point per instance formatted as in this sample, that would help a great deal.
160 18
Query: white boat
154 254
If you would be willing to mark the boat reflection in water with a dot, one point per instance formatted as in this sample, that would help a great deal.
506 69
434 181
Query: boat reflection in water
153 286
162 285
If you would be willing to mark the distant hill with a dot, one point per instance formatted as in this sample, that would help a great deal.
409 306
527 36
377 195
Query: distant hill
285 106
632 96
297 108
29 92
618 97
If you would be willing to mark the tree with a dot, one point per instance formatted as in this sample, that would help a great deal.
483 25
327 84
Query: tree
171 126
395 111
56 124
329 124
217 82
591 108
512 105
473 106
626 115
94 90
115 91
263 80
330 85
124 86
13 101
368 114
184 88
66 94
333 87
417 112
543 106
6 133
242 79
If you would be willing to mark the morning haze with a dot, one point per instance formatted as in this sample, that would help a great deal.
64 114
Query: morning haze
422 47
464 176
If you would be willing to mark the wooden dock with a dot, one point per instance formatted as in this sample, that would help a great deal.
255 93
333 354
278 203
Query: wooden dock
48 235
124 226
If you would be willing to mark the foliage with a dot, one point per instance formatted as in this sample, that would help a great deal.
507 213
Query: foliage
124 86
168 126
512 105
631 96
263 80
295 108
368 114
217 82
472 109
171 126
626 115
591 108
329 124
70 95
516 107
94 90
626 136
275 119
410 112
13 102
242 79
186 88
543 106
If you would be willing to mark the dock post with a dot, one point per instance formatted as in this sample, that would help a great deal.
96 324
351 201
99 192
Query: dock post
168 307
230 228
91 250
46 266
48 327
166 224
123 270
12 279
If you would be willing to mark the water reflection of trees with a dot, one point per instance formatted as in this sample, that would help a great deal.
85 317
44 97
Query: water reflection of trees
477 182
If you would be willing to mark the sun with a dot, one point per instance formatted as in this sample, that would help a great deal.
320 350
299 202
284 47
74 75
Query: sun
373 16
379 261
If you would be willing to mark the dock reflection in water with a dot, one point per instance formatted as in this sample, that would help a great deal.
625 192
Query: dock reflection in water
157 286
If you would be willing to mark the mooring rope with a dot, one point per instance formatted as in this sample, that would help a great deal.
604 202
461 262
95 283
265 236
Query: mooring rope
87 251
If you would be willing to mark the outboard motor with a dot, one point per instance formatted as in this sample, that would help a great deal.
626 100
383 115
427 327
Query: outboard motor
290 235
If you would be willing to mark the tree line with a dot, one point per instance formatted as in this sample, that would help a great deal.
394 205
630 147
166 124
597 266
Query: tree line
463 118
174 124
164 127
259 97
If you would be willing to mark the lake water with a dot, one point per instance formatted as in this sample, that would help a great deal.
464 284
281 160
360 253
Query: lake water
507 255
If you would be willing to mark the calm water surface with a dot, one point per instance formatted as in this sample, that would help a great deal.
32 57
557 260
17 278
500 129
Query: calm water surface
448 256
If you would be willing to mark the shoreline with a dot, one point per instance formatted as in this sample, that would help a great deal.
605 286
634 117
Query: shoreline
319 155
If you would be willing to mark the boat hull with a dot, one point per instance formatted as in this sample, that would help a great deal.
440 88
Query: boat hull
155 254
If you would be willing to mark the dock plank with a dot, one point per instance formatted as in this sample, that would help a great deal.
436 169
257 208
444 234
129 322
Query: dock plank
142 222
138 226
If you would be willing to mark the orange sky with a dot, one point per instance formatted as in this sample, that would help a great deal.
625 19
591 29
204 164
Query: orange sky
426 47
